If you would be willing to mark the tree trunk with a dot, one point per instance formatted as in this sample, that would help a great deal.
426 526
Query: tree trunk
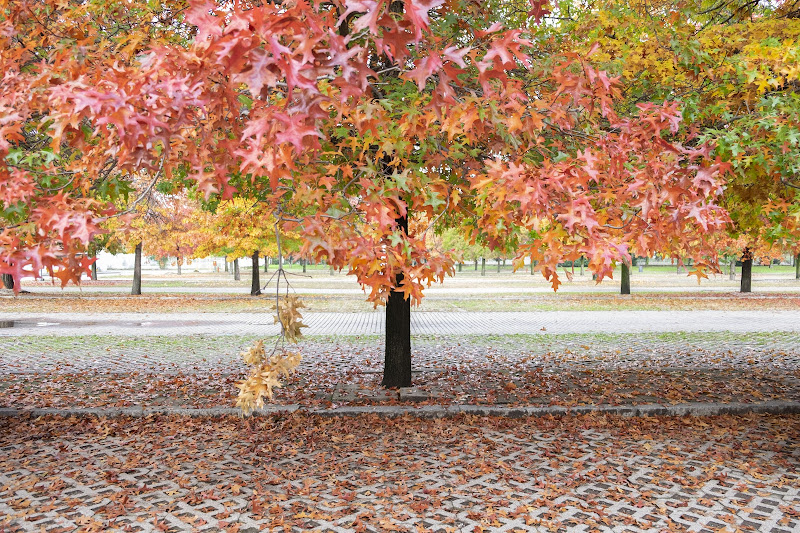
8 281
747 271
581 266
483 266
397 355
255 286
476 265
137 270
226 264
533 267
625 286
460 266
94 269
179 261
797 266
305 262
732 269
237 276
498 265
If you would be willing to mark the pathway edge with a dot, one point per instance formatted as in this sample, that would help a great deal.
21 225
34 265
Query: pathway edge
777 407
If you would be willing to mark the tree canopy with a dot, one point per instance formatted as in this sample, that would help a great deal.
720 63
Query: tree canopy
344 118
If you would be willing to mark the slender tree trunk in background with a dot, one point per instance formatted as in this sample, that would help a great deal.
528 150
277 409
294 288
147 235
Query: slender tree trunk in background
226 264
533 266
625 286
137 270
797 266
237 276
331 270
747 271
732 269
581 266
305 262
460 266
255 285
8 281
476 265
483 266
498 265
94 269
179 260
397 356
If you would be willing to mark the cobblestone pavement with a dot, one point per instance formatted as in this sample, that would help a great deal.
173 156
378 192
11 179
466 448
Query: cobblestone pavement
299 473
435 323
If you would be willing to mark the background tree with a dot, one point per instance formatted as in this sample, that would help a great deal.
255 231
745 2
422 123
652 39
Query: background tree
733 68
244 227
174 229
453 239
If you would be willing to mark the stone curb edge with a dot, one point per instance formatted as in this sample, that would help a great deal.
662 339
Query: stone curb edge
433 411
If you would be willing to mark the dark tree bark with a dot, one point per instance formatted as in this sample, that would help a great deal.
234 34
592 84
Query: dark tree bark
476 265
797 266
266 264
498 265
483 266
94 269
179 261
305 262
581 266
625 285
237 276
226 264
732 269
255 286
397 355
8 281
747 271
460 266
137 271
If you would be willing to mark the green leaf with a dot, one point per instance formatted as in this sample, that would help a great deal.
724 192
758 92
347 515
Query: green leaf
434 201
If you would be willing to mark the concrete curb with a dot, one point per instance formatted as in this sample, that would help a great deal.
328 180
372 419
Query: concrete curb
433 411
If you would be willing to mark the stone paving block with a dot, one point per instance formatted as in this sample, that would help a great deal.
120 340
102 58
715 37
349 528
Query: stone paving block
416 394
348 392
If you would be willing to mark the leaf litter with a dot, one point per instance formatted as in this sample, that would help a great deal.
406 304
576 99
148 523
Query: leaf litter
301 473
565 370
